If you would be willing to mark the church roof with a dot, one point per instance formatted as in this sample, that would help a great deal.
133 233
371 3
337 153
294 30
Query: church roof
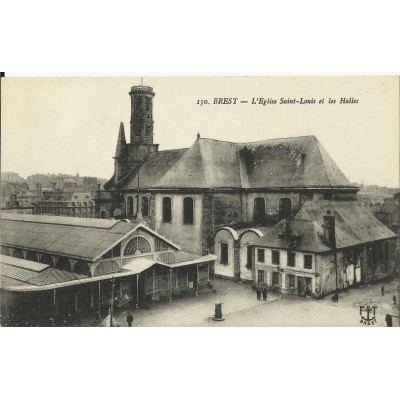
279 163
291 162
153 169
207 163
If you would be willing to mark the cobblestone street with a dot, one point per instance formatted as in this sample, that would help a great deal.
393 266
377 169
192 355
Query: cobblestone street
241 308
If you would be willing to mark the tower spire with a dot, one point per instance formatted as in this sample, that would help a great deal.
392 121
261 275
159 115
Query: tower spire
121 142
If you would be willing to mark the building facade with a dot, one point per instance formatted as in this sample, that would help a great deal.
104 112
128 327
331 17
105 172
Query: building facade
187 194
327 246
71 204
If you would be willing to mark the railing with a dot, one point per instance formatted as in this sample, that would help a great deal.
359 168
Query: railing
142 88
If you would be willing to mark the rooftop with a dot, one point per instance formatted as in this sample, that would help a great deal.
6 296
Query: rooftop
83 238
290 162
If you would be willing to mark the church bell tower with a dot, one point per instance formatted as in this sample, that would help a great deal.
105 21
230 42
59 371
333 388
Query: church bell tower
142 114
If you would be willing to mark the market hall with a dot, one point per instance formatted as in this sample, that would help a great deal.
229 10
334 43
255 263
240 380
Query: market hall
53 266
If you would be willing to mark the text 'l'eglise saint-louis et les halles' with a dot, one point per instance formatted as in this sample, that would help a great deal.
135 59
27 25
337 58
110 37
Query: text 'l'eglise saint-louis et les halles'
281 101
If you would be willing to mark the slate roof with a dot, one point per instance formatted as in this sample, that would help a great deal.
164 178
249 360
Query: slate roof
350 217
178 258
354 226
83 238
310 237
290 163
153 169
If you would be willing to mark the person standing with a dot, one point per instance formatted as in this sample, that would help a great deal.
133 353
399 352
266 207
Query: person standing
389 321
264 293
129 319
394 300
383 290
258 291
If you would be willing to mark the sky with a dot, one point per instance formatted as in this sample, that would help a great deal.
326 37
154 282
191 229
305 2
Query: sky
70 125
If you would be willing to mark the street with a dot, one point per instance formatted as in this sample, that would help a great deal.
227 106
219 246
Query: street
240 307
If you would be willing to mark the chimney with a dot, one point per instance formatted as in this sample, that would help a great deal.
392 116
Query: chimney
288 230
329 229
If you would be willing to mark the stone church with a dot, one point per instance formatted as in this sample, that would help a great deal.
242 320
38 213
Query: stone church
187 194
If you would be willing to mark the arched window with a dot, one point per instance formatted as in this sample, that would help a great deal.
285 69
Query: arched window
137 245
46 259
106 267
167 210
63 263
18 254
82 268
5 251
223 253
145 206
259 210
285 208
188 210
129 205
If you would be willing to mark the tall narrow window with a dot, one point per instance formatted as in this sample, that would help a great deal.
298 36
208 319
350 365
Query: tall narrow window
275 278
249 251
145 206
167 210
129 205
291 259
285 208
259 210
224 253
308 261
261 255
275 257
261 276
188 210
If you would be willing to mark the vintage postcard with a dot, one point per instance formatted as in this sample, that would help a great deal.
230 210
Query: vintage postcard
259 201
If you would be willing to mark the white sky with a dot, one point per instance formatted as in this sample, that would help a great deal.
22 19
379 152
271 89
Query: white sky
70 125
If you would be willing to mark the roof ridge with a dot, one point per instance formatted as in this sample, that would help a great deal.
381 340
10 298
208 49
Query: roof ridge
281 138
218 140
322 161
166 150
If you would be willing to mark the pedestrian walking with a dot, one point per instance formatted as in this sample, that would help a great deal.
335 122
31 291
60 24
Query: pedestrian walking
129 319
389 321
264 293
394 300
383 290
258 291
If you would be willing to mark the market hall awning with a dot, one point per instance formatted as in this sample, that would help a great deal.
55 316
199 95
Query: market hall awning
138 265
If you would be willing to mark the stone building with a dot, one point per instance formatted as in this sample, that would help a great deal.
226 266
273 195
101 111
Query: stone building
187 194
71 204
327 245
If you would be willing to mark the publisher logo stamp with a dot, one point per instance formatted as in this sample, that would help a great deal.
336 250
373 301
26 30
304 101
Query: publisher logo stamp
367 314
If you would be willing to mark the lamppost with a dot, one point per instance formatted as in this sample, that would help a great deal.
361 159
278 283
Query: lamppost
112 301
